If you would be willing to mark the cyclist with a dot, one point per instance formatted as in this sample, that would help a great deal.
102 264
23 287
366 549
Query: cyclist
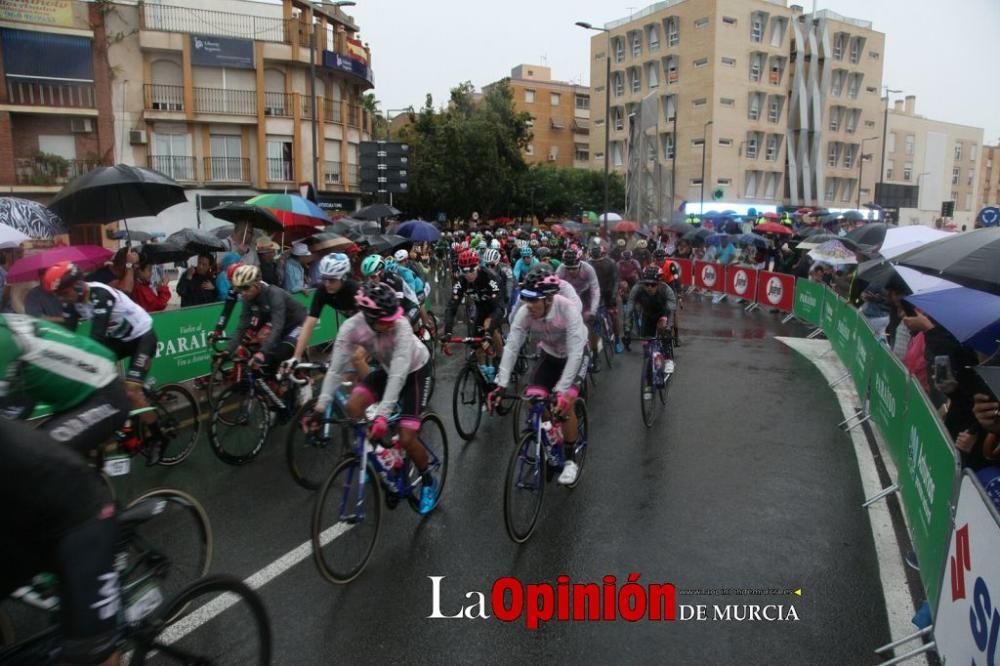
545 256
526 261
654 302
642 254
338 291
118 324
420 288
373 269
566 290
402 376
491 257
562 337
265 305
403 260
670 273
483 287
43 363
584 280
607 278
60 519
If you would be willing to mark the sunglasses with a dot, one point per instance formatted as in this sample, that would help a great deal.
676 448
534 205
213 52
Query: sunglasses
247 287
470 270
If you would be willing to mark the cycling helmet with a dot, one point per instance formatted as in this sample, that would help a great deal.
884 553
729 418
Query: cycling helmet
627 254
533 243
526 252
491 256
401 255
596 251
372 264
61 276
641 245
378 302
570 258
538 283
232 269
543 252
620 242
334 266
544 269
494 244
391 264
246 275
650 275
468 259
659 253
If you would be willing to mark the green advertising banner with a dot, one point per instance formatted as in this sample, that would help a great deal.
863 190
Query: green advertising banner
843 330
889 387
829 313
808 301
860 355
928 478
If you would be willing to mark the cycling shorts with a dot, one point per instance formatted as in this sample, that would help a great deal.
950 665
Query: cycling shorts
550 368
91 423
489 311
412 397
141 351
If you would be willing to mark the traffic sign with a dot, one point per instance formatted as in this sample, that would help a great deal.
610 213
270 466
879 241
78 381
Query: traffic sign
947 209
375 173
384 166
989 216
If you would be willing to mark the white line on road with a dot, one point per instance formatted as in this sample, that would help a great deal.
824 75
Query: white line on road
898 603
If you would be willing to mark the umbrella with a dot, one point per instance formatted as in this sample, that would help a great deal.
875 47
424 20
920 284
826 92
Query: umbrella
223 232
134 236
291 209
256 216
815 240
902 239
87 257
969 259
11 237
30 217
972 316
854 216
326 240
611 217
804 211
697 235
344 225
196 242
678 227
990 375
166 252
418 230
625 226
753 239
772 215
572 226
376 212
870 234
820 211
108 194
773 228
385 242
833 252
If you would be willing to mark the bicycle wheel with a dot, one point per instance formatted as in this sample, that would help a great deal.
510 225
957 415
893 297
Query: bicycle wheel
174 548
435 440
582 439
524 489
240 425
664 390
229 624
647 394
608 342
179 419
346 521
219 379
312 456
467 402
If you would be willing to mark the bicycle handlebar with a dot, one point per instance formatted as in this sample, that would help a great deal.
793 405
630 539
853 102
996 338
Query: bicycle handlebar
446 350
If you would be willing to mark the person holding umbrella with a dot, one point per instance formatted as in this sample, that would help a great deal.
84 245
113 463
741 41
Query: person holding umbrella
269 268
197 285
295 268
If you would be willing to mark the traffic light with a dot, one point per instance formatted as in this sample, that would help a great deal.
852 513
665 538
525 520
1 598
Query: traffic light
947 209
385 166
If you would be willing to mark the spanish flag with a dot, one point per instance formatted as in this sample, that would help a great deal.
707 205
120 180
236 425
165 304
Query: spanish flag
357 50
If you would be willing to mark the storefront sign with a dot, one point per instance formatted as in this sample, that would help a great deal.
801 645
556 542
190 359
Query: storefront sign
42 12
210 51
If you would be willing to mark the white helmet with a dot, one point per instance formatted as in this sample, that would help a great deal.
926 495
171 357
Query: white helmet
246 275
401 255
495 244
334 266
491 256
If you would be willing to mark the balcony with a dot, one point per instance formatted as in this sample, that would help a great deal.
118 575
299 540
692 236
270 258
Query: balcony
225 102
178 167
353 116
168 18
162 97
279 170
278 104
331 111
50 170
353 178
331 173
227 169
50 92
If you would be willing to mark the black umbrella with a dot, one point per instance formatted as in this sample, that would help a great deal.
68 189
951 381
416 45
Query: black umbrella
255 216
384 242
870 234
816 240
375 212
165 253
679 227
970 259
108 194
697 235
344 225
30 218
196 242
130 235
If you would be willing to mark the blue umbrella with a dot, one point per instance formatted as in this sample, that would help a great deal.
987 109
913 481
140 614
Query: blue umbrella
972 316
419 231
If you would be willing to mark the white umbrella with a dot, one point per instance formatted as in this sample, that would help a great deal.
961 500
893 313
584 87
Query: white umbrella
611 217
921 283
10 237
902 239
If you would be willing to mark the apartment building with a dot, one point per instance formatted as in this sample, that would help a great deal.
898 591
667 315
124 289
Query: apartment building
930 161
989 183
560 114
220 99
745 90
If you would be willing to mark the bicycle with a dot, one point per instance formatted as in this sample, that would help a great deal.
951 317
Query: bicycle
468 399
605 335
312 455
348 511
151 566
540 447
427 334
654 383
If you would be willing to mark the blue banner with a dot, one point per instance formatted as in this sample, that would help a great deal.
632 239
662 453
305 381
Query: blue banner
344 63
209 51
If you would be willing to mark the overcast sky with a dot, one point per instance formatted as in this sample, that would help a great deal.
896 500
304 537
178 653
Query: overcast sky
944 52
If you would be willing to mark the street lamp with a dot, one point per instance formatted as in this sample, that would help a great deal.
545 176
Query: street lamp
704 150
885 133
312 82
861 166
607 112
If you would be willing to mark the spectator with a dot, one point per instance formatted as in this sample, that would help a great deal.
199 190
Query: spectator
222 285
820 272
123 267
784 261
875 309
295 268
198 284
149 297
43 304
269 269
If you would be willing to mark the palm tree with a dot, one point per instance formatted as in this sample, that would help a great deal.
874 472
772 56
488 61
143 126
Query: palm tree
370 104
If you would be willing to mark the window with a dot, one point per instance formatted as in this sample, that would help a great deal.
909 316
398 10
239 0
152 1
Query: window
581 154
956 173
954 196
653 37
909 144
729 62
837 83
616 153
553 153
771 188
756 101
777 69
619 50
971 178
835 113
773 147
696 181
871 89
907 170
831 189
854 84
636 44
697 143
279 159
869 123
725 142
756 28
873 55
724 181
847 190
750 186
728 20
652 76
756 65
752 145
727 102
972 152
670 67
529 96
777 31
839 40
890 168
582 102
619 118
635 80
890 142
774 108
226 161
700 62
968 201
849 156
857 45
619 84
669 107
852 120
529 149
554 99
958 151
701 23
698 103
668 146
672 30
832 154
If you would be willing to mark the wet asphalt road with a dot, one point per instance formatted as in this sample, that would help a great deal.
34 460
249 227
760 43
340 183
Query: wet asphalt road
744 482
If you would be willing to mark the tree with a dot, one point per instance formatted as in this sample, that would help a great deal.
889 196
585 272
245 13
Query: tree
370 104
551 192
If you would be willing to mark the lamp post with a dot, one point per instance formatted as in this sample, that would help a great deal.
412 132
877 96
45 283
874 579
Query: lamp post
388 130
704 150
312 83
885 133
607 112
861 166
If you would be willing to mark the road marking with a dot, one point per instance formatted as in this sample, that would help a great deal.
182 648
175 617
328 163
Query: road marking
898 603
227 600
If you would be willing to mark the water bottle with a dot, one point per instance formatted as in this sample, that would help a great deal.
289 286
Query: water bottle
658 362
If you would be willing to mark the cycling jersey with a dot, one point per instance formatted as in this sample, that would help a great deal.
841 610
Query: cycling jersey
560 333
484 291
521 267
628 270
584 280
342 301
661 303
398 351
607 278
273 306
43 362
114 315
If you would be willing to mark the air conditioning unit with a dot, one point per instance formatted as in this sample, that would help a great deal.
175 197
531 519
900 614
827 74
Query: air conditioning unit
137 137
81 125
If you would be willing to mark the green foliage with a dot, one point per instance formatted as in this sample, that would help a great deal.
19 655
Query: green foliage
551 192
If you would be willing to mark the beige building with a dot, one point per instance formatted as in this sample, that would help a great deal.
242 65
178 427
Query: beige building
560 113
941 160
989 183
759 89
